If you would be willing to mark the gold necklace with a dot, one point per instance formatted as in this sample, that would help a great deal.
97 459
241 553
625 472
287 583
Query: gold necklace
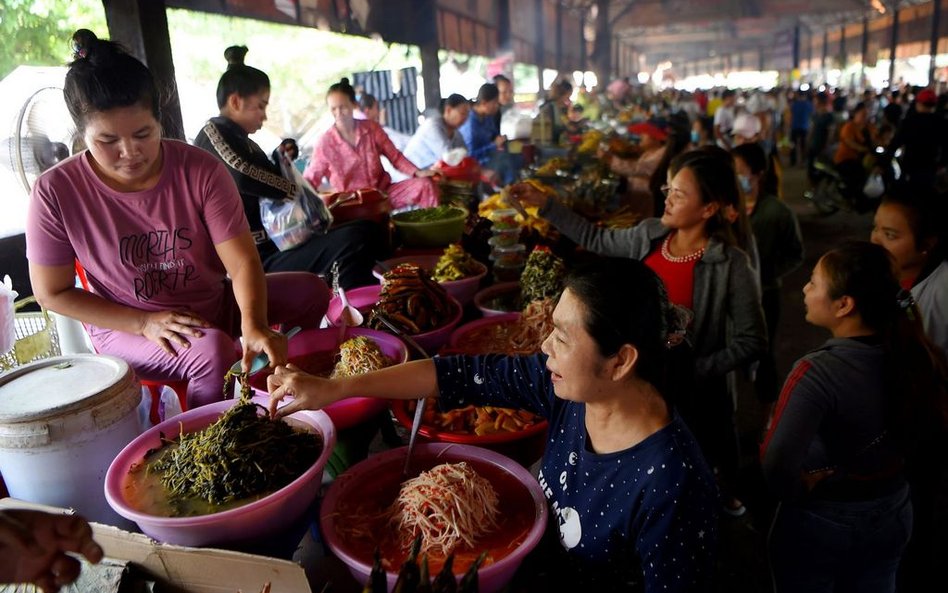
675 259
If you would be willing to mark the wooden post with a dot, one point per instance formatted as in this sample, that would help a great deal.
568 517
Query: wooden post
540 44
582 41
864 50
431 74
559 36
142 27
894 43
933 44
503 25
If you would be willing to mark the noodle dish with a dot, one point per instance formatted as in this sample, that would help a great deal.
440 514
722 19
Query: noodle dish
461 501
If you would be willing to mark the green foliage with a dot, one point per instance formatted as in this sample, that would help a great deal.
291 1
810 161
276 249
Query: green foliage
37 32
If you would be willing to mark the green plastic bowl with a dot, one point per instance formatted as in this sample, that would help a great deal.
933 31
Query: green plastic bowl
432 233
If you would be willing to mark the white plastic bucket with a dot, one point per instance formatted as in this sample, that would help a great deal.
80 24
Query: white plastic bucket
62 422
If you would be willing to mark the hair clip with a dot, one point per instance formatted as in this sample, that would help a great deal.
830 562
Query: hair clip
78 51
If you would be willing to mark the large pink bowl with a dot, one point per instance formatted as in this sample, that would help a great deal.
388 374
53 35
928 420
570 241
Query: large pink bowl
353 410
362 479
463 290
269 516
363 297
484 297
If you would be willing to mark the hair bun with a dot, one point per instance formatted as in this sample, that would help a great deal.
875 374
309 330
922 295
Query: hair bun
83 41
344 81
235 55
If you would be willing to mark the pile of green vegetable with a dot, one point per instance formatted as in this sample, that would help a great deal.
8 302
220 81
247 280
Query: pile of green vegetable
240 455
542 277
454 264
429 214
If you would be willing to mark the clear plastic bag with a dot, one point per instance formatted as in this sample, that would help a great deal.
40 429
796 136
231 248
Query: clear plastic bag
291 222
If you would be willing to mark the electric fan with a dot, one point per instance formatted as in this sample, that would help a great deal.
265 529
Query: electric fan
42 134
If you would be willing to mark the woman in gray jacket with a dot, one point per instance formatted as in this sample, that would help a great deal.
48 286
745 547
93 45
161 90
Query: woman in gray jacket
693 248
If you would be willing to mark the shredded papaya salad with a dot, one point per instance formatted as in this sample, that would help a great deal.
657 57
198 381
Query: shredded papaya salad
448 505
357 356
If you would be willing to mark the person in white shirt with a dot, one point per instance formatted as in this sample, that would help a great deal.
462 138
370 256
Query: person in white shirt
439 133
724 119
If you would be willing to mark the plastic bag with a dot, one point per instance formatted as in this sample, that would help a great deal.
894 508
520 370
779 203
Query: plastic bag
7 315
874 187
291 222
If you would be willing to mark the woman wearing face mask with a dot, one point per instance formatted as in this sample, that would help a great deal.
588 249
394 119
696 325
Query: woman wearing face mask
633 503
910 224
694 250
158 226
349 154
439 133
851 420
243 93
779 245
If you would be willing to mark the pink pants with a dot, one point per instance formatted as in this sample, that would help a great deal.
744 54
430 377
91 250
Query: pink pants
293 298
417 191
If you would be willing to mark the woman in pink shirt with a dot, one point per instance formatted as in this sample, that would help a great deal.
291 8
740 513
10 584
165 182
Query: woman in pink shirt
349 155
158 227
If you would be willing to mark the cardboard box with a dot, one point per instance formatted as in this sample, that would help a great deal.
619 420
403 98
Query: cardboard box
190 570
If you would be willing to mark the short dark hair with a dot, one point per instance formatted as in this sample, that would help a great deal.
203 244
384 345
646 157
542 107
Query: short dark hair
752 154
240 78
499 78
453 100
367 101
104 76
343 87
488 92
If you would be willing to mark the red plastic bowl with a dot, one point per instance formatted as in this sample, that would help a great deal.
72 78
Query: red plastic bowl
457 336
364 297
463 290
363 480
483 298
267 517
353 410
400 409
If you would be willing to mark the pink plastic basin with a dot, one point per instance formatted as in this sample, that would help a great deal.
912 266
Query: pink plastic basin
263 518
362 480
354 410
362 298
365 296
510 290
463 290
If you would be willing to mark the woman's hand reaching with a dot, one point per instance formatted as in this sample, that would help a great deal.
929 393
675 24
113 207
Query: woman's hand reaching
266 340
528 195
171 329
309 391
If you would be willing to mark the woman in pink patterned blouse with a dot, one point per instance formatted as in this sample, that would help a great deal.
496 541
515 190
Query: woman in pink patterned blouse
349 155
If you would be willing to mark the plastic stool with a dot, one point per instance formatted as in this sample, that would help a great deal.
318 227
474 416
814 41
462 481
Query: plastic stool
154 387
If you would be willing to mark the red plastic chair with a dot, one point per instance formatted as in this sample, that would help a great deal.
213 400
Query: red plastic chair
154 387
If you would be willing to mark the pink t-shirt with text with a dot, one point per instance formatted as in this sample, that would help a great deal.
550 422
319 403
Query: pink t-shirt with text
151 250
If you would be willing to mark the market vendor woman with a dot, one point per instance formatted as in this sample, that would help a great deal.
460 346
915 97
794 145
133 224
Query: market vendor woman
633 501
158 227
349 154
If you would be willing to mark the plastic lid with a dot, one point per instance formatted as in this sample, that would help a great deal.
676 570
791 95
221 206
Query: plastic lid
503 213
61 385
